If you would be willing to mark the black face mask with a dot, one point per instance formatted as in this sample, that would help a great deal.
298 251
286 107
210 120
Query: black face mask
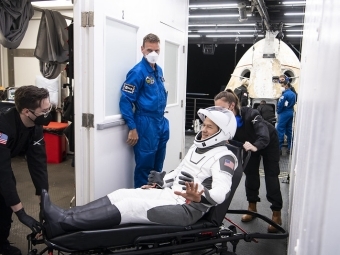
41 120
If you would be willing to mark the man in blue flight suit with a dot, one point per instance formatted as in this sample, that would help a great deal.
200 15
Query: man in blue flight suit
285 111
148 128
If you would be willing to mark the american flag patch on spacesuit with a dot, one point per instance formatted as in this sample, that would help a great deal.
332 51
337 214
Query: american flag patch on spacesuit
128 88
228 163
3 138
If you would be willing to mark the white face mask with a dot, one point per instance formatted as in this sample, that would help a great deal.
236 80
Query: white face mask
283 89
152 57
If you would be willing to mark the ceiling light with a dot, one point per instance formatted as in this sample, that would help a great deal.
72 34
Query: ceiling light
233 35
213 6
294 13
53 4
194 36
222 25
294 30
293 35
220 31
216 16
294 2
293 24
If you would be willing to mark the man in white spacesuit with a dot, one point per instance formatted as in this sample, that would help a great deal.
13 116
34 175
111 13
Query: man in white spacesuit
181 197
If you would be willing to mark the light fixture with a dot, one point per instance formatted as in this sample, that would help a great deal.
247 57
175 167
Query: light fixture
294 35
242 11
294 2
221 31
294 13
198 6
221 36
194 36
222 25
213 16
53 4
294 30
216 16
293 24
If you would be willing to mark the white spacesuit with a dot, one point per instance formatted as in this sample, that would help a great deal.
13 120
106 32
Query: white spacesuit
208 163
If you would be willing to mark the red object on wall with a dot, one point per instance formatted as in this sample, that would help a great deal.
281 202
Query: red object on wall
55 142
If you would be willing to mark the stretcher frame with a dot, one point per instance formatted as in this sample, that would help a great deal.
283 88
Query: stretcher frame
208 234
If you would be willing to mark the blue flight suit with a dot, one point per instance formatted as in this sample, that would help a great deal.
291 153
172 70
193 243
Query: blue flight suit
285 111
144 89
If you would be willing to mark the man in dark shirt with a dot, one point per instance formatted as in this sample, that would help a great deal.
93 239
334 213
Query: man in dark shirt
267 112
21 133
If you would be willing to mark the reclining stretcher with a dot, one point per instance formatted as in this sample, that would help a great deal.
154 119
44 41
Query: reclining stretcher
132 239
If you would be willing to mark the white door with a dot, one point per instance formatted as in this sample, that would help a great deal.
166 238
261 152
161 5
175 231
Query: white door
175 52
104 53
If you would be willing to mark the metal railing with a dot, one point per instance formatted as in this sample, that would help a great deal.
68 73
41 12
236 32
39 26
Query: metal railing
193 104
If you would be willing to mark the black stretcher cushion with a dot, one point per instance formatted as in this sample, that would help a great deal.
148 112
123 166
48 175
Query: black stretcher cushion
126 234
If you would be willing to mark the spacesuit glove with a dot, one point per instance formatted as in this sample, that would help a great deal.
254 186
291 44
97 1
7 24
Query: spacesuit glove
27 220
186 177
156 177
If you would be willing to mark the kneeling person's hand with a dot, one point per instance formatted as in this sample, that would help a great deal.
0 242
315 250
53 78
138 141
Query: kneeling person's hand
27 220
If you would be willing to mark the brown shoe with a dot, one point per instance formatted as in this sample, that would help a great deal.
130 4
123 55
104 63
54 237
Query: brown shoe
277 219
248 217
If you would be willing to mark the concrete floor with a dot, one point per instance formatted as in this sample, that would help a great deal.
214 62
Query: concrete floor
61 178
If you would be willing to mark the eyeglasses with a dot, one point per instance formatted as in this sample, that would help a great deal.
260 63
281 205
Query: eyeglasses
44 113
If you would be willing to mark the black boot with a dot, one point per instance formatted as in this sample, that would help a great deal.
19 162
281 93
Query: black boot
59 221
104 201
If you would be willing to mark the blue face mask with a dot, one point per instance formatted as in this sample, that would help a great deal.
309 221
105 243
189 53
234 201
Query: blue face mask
239 121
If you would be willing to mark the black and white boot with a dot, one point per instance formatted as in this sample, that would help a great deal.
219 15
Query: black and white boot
88 217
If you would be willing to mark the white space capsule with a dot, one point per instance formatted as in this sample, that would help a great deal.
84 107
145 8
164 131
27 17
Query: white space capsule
263 63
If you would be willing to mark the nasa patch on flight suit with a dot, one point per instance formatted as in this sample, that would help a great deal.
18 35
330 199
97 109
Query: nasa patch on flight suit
128 88
149 80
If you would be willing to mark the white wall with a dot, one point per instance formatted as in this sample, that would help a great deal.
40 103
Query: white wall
315 184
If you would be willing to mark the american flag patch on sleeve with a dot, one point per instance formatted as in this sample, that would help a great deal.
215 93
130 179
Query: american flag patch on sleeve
229 164
3 138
